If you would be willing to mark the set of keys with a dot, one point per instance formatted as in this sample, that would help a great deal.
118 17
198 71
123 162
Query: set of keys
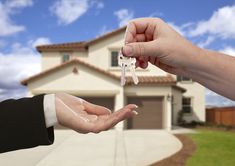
127 63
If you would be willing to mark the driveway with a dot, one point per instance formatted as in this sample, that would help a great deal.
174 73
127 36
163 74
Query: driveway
110 148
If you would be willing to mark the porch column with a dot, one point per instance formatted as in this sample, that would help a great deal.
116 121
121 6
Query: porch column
119 103
168 112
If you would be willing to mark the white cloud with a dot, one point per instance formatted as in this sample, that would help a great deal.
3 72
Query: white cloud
39 41
16 65
221 23
18 3
228 50
7 26
69 11
124 16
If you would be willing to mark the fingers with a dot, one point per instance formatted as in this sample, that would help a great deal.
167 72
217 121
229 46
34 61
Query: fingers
141 49
138 26
130 33
95 109
116 117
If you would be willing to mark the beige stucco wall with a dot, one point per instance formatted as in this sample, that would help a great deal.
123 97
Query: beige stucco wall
87 82
52 59
197 92
150 90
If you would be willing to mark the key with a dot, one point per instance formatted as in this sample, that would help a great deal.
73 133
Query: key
123 79
133 74
123 68
127 63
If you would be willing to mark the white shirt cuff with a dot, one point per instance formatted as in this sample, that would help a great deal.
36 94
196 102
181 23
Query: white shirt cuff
49 110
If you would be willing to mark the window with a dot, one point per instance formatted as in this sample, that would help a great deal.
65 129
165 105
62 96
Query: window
65 58
114 58
187 104
183 79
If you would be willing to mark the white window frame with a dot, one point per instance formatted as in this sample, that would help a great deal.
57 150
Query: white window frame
184 81
64 54
110 57
191 104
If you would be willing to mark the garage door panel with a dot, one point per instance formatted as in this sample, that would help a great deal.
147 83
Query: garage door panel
150 113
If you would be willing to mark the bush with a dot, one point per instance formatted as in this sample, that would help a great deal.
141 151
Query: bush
180 118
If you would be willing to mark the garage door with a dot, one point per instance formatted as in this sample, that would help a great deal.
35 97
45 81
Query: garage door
150 113
103 101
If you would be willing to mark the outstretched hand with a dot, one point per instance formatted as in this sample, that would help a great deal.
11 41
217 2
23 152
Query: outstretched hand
85 117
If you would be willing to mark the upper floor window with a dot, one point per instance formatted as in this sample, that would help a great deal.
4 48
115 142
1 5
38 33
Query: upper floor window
65 58
114 58
187 104
184 79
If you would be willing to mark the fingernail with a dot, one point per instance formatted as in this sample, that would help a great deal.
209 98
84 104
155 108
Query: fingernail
136 113
127 50
136 106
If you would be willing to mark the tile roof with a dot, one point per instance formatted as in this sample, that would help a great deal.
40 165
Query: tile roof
156 80
78 46
152 80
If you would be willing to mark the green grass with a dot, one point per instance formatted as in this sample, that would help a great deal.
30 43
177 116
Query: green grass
214 148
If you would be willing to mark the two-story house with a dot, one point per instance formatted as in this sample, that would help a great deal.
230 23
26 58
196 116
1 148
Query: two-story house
90 70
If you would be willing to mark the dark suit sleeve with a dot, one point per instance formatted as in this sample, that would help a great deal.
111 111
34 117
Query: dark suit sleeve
22 124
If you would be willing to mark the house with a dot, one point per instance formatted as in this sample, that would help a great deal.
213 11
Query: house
90 70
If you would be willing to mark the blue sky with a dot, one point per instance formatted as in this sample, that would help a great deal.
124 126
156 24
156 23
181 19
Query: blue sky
26 23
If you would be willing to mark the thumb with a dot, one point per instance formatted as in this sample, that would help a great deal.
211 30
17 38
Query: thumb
138 49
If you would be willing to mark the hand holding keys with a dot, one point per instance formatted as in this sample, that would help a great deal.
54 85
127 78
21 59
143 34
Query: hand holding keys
127 63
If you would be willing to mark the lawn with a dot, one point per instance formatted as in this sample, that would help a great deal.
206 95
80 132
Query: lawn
214 148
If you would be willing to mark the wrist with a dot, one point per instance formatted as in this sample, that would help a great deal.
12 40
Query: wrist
195 62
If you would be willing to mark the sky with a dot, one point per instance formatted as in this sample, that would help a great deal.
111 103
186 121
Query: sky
24 24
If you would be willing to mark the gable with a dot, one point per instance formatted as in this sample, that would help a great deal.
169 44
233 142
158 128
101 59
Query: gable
74 77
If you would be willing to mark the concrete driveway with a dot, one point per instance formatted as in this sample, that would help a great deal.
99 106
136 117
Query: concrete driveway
110 148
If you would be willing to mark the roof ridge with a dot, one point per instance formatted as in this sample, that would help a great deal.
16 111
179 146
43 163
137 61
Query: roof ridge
81 45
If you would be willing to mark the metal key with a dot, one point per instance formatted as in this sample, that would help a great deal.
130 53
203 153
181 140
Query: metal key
123 76
123 68
127 63
132 69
